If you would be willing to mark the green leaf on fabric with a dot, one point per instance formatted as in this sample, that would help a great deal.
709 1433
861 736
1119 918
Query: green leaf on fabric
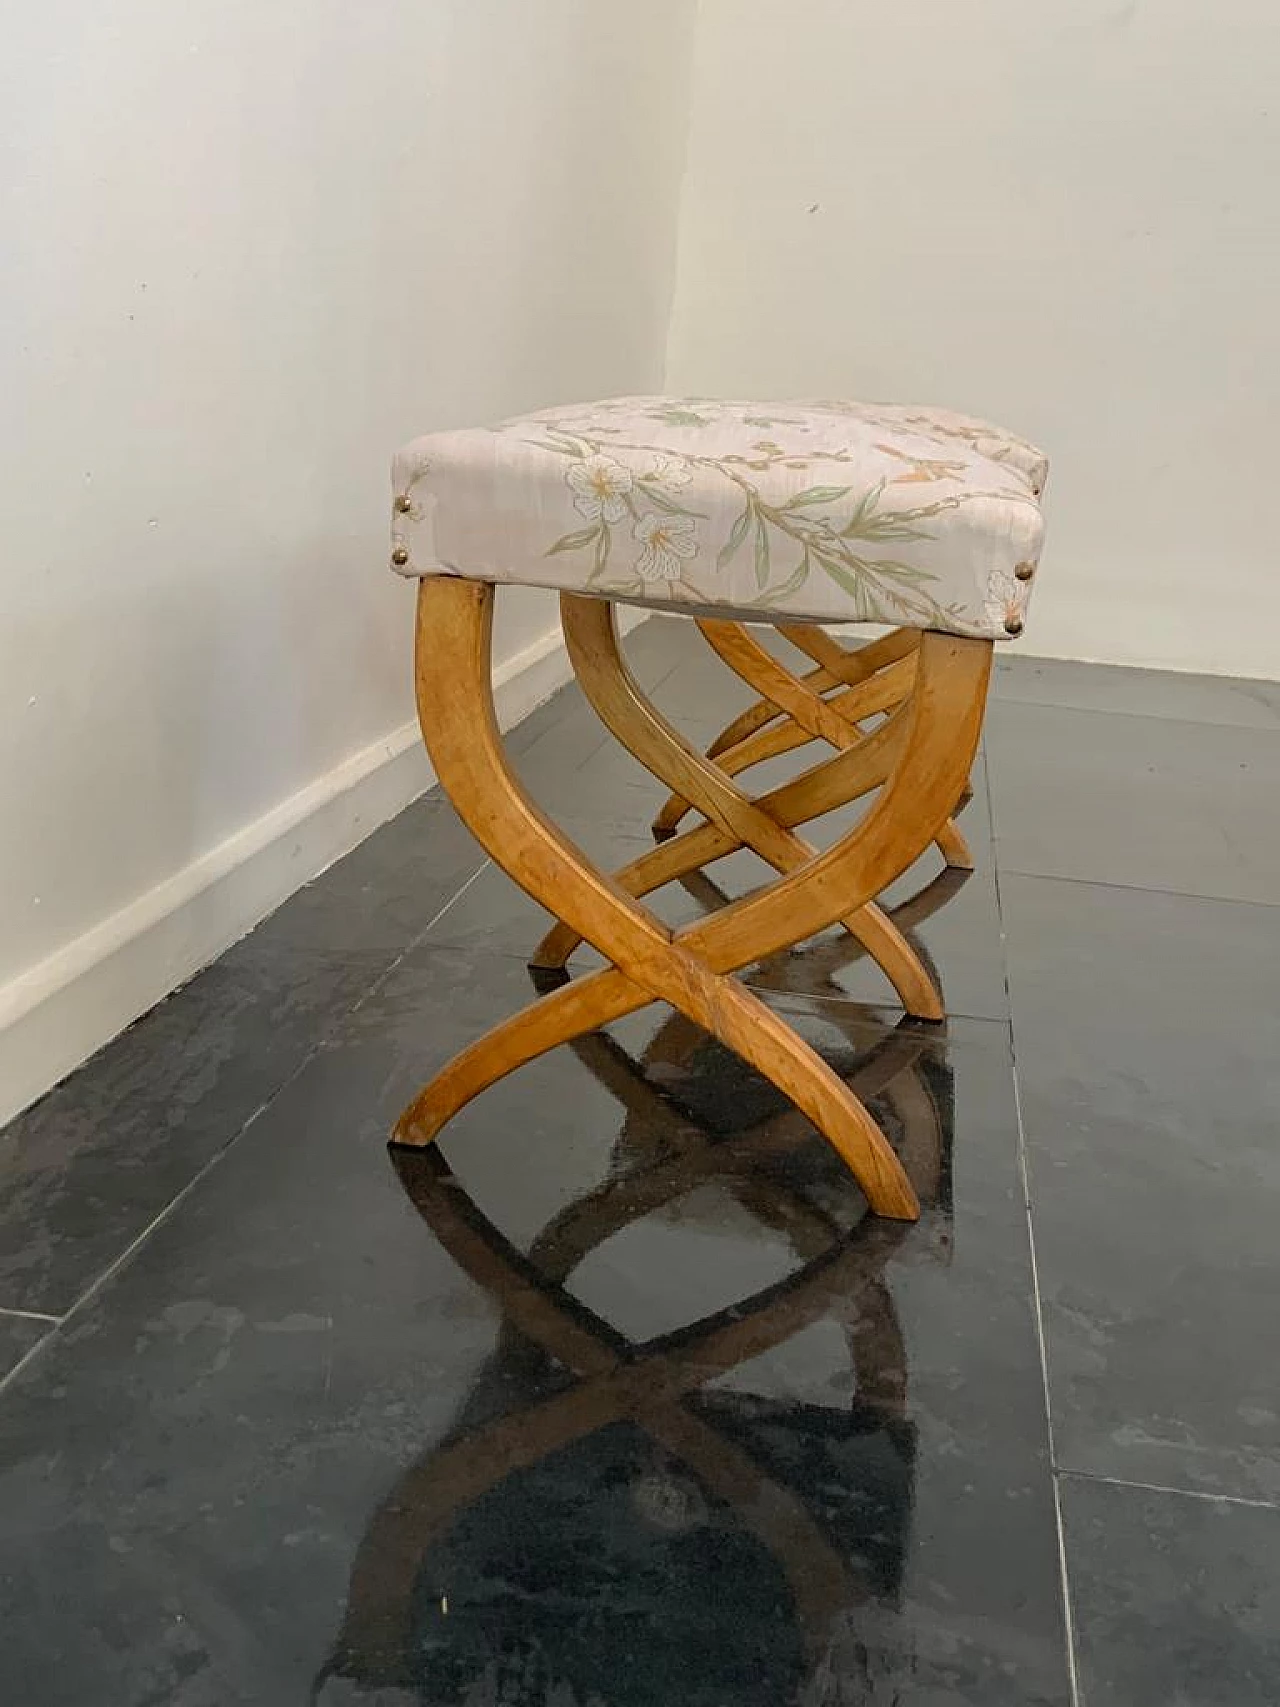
739 532
660 501
794 581
891 570
816 495
603 542
575 541
888 529
567 443
852 582
762 553
864 509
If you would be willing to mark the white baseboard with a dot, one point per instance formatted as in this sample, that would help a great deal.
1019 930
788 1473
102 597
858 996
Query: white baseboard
58 1012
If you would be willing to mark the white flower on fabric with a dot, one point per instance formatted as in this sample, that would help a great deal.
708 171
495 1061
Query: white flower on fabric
1004 599
670 472
600 487
668 541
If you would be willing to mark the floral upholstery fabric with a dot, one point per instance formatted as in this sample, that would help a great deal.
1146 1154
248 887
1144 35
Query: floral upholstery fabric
784 512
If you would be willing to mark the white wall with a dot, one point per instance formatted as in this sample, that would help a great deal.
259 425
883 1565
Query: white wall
1064 215
250 246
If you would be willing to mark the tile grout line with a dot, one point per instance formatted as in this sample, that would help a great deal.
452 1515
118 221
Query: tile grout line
1166 1488
376 984
58 1323
1144 716
1064 1577
1038 1313
1142 889
118 1262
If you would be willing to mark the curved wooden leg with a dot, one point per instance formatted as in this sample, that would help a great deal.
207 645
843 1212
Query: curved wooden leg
727 1010
735 645
675 1153
591 635
455 704
759 735
833 782
951 844
869 699
841 664
932 750
581 1006
881 693
835 667
955 688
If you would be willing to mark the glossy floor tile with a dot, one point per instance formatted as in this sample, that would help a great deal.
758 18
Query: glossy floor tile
621 1372
18 1334
85 1171
616 1397
1146 1030
1147 802
1141 693
1176 1599
385 894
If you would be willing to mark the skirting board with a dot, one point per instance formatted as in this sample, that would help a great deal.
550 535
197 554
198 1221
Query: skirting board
57 1013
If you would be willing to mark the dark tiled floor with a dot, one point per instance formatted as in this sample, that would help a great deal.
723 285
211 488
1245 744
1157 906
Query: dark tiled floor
18 1334
618 1398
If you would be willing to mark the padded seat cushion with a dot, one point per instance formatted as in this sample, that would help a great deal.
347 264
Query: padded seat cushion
776 512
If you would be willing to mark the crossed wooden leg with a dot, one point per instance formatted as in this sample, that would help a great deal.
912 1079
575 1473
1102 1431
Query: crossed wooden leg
918 760
670 1149
591 634
793 710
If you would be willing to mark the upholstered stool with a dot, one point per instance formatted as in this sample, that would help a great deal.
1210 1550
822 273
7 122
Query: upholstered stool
790 514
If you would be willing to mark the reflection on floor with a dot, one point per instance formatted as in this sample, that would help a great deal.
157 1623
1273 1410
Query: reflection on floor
617 1396
651 1471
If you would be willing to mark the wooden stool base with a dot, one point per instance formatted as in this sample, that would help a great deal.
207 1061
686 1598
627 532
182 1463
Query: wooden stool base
795 710
916 761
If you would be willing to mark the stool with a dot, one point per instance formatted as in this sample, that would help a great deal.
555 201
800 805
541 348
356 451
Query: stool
802 514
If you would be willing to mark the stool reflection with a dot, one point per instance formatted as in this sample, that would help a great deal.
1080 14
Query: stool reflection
620 1522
